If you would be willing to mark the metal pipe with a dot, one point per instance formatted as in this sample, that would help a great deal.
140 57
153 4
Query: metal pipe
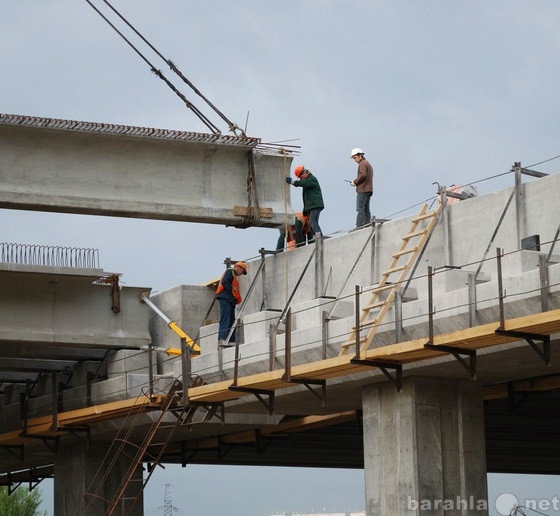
357 319
500 287
430 305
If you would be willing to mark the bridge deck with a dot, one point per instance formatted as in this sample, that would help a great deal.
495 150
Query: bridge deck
474 338
479 337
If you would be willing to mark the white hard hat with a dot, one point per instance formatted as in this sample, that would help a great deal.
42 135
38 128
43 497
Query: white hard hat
355 151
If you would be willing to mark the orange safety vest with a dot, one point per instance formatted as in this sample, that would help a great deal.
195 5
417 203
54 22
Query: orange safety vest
291 235
234 287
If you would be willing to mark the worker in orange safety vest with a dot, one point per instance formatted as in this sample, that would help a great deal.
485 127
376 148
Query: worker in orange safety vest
229 295
299 233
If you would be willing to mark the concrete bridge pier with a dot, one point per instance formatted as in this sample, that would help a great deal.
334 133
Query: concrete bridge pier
77 471
424 448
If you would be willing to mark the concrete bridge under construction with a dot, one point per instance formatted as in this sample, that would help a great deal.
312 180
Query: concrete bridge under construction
422 349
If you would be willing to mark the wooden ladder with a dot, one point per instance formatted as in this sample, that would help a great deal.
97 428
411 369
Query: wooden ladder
393 278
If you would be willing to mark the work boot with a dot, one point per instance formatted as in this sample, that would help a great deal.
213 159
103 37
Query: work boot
223 344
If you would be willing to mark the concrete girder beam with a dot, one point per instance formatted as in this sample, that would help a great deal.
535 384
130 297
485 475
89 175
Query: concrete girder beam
104 169
43 307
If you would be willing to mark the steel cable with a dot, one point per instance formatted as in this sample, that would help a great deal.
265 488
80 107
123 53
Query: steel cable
207 122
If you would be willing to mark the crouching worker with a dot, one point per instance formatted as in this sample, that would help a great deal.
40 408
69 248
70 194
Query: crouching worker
299 233
229 295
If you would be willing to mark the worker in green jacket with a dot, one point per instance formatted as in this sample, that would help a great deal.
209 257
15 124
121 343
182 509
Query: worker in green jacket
312 196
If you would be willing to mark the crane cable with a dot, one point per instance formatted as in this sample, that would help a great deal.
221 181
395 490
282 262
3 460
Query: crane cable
232 126
204 119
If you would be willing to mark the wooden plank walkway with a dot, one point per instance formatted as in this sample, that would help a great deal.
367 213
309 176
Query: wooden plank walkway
478 337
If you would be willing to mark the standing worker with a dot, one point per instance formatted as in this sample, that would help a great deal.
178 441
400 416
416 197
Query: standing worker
312 196
228 296
364 187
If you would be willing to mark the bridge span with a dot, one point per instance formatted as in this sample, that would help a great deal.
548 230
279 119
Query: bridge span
69 166
461 377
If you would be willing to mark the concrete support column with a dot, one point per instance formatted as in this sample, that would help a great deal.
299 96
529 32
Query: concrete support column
77 472
424 448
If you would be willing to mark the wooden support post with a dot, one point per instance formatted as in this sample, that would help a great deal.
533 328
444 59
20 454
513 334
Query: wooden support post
264 303
288 347
23 409
398 317
272 332
357 319
186 370
54 401
500 287
516 169
325 333
89 379
545 281
430 305
151 370
471 282
319 266
445 226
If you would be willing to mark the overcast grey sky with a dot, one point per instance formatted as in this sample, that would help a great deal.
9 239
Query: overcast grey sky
432 90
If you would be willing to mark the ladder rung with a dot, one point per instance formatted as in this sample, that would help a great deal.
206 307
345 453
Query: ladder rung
415 234
384 287
394 269
424 217
370 323
350 344
406 251
374 305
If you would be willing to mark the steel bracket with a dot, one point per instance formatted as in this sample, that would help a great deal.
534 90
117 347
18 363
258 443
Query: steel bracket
544 355
11 449
259 393
45 439
184 449
308 382
470 366
395 379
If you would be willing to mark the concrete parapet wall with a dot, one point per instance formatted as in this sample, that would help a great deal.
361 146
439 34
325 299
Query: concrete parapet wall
471 224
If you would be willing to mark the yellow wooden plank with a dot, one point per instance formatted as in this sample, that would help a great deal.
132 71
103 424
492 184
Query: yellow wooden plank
478 337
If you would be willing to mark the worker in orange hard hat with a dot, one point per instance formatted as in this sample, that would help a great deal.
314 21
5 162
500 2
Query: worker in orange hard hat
312 196
229 295
297 233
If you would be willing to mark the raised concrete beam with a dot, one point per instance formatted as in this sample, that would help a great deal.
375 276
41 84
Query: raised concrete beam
105 169
62 307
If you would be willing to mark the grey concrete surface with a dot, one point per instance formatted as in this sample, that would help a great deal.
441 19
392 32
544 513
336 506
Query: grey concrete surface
50 307
470 226
111 170
423 447
79 471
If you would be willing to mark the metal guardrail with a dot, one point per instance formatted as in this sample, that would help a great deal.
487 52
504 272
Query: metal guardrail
54 256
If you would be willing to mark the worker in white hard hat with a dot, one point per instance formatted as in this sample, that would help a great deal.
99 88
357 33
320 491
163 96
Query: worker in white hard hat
364 187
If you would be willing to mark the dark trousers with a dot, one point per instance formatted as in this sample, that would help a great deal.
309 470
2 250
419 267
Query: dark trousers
314 220
227 319
363 216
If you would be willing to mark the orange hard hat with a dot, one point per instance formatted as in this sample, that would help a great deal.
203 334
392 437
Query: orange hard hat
298 170
243 265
